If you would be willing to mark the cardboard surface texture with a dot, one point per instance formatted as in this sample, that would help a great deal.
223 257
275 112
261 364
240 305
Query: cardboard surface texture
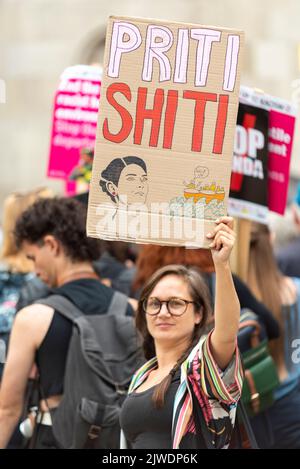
166 127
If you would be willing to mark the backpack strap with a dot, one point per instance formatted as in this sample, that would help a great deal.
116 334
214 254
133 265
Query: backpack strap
67 309
89 341
118 305
244 420
64 306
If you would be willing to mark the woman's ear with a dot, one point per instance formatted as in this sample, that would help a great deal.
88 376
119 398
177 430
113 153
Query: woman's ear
198 315
112 189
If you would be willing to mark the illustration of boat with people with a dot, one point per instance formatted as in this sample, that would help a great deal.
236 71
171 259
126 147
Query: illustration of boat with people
207 192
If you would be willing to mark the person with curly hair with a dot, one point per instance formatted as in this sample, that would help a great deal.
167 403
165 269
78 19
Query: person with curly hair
52 234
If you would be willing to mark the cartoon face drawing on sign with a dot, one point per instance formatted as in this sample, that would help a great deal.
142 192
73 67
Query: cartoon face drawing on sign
125 180
200 173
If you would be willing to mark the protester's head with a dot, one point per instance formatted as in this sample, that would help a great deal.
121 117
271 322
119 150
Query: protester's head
125 180
14 205
87 155
52 233
120 250
153 257
180 321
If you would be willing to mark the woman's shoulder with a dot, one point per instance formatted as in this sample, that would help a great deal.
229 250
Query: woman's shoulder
140 373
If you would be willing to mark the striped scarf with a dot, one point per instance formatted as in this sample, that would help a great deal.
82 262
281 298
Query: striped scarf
201 377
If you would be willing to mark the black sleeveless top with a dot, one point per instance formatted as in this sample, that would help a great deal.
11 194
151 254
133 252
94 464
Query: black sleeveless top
91 297
145 426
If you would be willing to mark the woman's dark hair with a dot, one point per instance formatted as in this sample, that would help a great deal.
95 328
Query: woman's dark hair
200 294
65 219
113 171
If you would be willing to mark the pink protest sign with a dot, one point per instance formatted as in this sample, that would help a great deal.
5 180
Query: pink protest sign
74 126
281 132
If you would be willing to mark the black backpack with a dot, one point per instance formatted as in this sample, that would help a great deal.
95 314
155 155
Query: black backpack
103 354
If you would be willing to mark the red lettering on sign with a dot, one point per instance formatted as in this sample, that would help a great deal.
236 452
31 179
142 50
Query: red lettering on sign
170 118
124 114
153 114
201 99
236 178
221 123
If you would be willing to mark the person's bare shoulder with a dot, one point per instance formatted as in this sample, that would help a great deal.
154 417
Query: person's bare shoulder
34 320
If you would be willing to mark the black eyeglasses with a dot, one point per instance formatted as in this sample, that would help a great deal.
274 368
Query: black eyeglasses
175 306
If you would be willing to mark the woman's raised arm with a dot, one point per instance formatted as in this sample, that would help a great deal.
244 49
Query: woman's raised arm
227 306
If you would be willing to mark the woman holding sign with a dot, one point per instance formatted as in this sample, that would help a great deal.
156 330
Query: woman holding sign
186 396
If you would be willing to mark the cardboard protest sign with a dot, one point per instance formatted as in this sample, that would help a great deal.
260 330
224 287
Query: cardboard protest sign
74 127
165 133
262 152
249 180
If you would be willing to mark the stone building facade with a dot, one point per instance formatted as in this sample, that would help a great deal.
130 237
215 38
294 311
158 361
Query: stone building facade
39 38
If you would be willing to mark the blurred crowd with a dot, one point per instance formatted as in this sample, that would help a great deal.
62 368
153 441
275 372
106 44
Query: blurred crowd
44 252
